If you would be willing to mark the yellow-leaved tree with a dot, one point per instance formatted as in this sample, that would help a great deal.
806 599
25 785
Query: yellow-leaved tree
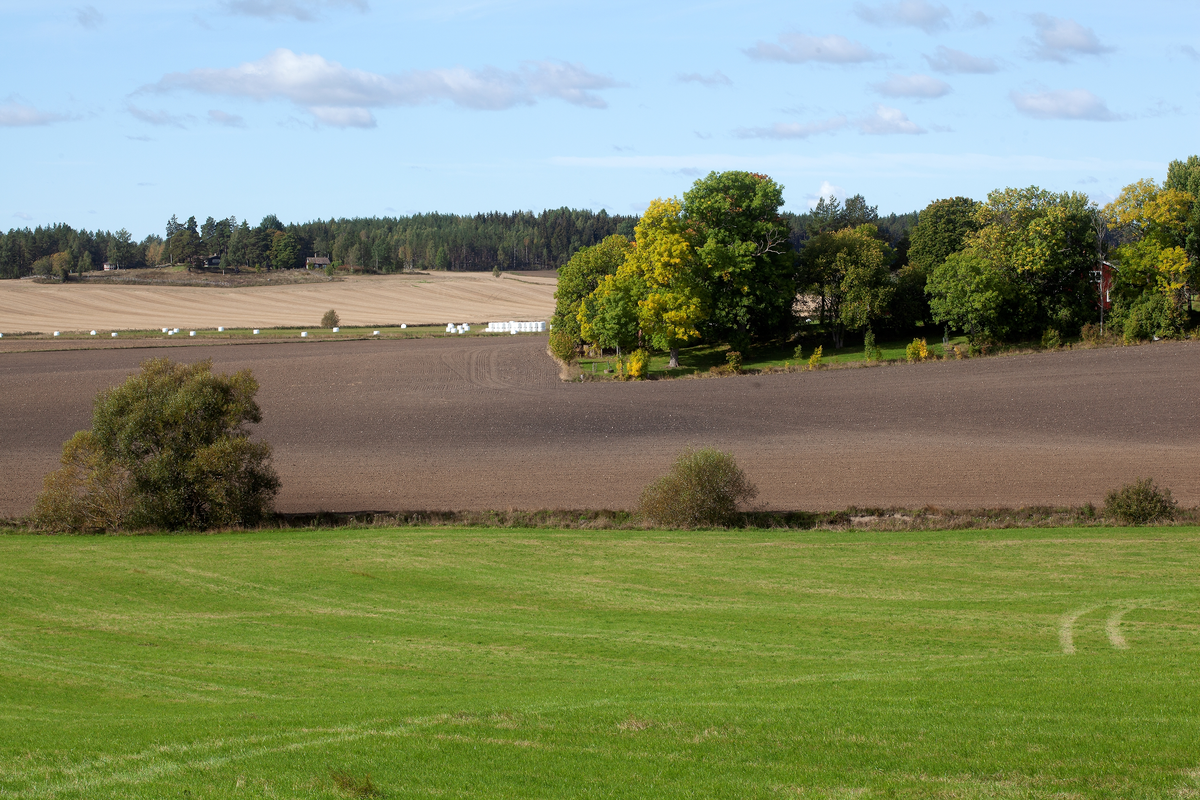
655 295
1154 222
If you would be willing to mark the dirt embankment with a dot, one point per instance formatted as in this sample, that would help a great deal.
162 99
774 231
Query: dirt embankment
486 423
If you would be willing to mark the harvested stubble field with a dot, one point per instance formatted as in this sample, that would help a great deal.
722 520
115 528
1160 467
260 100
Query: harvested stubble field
478 423
537 664
434 298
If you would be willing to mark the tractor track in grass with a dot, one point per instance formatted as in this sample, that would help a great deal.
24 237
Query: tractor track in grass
484 422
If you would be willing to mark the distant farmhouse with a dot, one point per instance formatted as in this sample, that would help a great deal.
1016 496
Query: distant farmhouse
320 262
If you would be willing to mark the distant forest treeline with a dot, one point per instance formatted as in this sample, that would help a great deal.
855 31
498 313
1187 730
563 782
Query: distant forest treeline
519 240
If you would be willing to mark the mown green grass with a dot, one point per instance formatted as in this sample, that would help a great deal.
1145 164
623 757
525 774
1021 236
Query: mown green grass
702 358
516 663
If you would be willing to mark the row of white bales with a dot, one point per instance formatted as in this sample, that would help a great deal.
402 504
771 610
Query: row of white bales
512 326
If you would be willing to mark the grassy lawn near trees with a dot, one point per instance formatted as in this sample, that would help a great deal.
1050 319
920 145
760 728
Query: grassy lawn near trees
702 358
533 663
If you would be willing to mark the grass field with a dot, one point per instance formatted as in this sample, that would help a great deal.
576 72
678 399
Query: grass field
702 358
509 663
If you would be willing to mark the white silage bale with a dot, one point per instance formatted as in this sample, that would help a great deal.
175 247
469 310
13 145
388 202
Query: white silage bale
220 329
336 329
303 334
256 331
114 334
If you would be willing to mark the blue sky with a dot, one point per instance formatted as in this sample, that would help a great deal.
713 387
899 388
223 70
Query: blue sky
121 112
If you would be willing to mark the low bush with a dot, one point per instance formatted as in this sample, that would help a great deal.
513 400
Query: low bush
639 360
1051 340
330 319
918 350
703 489
1139 503
814 361
733 359
562 345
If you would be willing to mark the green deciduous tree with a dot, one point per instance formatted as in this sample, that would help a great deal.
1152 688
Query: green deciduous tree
850 260
580 276
744 257
1045 244
168 449
967 292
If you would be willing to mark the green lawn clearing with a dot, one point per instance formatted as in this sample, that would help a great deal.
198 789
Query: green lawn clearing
702 358
537 664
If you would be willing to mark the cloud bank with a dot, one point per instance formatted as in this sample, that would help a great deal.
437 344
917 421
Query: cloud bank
1059 39
912 86
956 62
19 115
299 10
799 48
712 81
883 121
912 13
1077 104
343 97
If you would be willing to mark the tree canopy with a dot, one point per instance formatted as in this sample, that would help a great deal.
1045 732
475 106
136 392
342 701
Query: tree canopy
168 449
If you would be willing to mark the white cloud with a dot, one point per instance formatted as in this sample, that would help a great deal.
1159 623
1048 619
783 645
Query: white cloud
1058 39
956 62
89 18
793 130
887 121
912 86
827 190
716 79
343 117
165 118
1190 52
883 121
22 215
218 117
19 115
1063 104
323 87
799 48
915 13
300 10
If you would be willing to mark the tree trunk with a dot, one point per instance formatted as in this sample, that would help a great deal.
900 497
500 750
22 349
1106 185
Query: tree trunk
674 364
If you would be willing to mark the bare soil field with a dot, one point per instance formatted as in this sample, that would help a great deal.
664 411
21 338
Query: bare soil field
476 423
434 298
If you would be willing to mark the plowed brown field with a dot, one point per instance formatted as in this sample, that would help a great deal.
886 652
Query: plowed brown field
436 298
471 423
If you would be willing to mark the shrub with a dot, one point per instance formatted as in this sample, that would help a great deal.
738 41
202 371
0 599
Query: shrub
1140 502
917 351
330 269
703 489
496 271
638 361
167 449
733 359
1051 340
330 319
870 351
814 361
798 353
562 345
